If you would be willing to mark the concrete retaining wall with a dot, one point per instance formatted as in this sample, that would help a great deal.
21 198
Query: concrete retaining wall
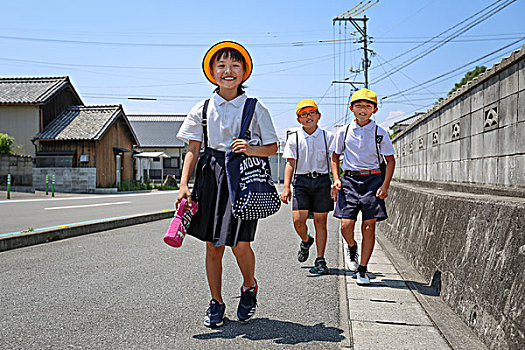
21 170
473 136
474 246
78 180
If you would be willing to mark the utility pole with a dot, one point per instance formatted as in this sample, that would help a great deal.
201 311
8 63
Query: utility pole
348 17
366 63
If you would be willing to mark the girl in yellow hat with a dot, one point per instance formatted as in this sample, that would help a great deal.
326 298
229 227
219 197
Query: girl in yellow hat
215 124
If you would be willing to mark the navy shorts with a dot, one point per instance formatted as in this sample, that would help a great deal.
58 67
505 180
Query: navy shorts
312 194
358 193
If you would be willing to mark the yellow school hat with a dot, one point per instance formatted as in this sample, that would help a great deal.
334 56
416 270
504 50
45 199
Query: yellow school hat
305 103
364 94
226 45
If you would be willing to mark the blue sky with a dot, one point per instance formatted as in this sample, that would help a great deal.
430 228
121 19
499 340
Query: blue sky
113 50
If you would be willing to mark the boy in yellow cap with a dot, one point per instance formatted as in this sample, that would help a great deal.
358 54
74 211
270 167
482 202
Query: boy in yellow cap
307 157
364 184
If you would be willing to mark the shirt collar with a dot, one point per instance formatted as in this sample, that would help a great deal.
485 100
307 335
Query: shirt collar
314 134
368 126
237 101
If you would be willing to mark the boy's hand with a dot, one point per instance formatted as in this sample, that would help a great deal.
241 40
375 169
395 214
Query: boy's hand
241 146
382 192
184 192
286 195
336 187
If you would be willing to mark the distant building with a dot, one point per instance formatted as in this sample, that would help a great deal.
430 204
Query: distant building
160 152
96 137
29 105
402 124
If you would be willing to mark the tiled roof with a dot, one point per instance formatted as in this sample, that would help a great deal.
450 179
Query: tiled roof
30 90
154 130
81 123
409 120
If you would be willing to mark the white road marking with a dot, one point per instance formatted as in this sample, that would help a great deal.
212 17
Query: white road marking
11 201
87 205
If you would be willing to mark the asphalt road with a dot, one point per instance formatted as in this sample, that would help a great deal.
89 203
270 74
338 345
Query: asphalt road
27 213
126 289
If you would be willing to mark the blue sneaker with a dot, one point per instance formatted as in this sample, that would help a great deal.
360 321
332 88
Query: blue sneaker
215 314
248 303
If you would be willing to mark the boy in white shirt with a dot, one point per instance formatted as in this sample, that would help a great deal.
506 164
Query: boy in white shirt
362 187
307 161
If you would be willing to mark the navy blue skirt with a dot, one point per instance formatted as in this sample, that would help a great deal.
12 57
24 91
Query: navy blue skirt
214 221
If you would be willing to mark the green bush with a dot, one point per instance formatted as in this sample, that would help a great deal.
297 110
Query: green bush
131 185
6 144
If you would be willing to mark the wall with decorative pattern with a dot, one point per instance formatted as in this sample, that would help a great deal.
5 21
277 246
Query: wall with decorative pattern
476 135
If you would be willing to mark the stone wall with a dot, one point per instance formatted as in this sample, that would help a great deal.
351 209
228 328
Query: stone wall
78 180
474 246
473 136
21 170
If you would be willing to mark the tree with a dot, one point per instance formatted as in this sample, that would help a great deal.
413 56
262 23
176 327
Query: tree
9 146
468 77
6 143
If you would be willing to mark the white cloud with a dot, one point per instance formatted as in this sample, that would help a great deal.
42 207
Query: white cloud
393 116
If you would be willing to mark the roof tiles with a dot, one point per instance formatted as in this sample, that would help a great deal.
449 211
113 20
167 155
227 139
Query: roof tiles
30 90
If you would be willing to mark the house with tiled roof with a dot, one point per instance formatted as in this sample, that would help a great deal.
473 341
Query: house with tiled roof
29 105
404 123
160 152
86 147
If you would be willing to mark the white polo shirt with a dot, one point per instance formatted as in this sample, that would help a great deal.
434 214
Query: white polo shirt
224 123
312 148
360 145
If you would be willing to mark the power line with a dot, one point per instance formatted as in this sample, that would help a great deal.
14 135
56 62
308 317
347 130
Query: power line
452 36
438 35
433 80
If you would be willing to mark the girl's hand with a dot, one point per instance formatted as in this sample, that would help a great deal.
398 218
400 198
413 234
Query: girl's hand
241 146
286 195
336 187
382 192
184 192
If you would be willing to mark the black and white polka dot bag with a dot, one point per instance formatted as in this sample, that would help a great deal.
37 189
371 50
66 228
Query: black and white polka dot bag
252 191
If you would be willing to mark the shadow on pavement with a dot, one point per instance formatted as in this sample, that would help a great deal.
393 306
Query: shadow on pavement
282 332
424 289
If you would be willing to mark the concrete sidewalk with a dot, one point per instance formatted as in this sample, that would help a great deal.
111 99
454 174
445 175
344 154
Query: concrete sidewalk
399 309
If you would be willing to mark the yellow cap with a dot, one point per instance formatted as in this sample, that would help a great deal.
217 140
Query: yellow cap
229 45
305 103
364 94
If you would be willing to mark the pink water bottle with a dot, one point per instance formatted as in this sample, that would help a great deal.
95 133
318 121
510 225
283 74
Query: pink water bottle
180 224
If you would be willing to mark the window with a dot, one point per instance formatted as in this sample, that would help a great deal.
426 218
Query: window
84 158
172 163
155 174
156 159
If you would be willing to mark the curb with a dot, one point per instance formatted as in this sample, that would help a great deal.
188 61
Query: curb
44 236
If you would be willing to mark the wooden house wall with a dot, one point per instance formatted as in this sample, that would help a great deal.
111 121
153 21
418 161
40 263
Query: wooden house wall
80 146
118 135
66 97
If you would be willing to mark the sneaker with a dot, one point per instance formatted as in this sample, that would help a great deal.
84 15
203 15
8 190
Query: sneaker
320 266
304 250
352 258
362 277
248 303
215 314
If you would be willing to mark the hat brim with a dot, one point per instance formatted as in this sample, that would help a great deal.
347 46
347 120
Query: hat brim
229 45
364 99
